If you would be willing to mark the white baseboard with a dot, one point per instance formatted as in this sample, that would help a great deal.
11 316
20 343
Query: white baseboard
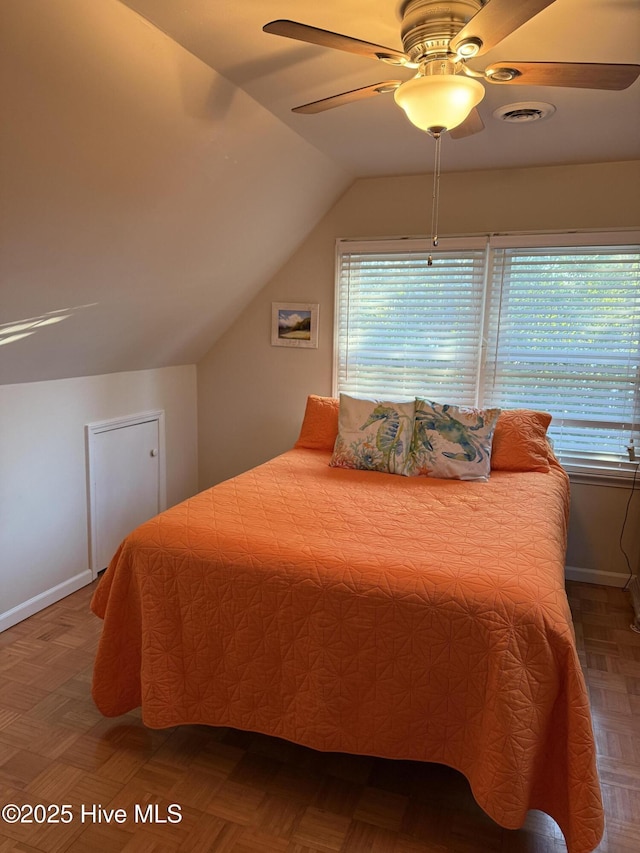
44 599
573 573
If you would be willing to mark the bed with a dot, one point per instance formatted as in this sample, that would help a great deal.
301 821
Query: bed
365 612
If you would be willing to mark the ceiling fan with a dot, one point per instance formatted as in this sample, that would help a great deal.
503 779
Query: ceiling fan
439 37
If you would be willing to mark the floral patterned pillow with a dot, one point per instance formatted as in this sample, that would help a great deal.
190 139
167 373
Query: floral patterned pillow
373 435
451 442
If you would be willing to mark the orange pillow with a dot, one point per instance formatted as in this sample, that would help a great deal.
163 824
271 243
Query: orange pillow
320 424
520 441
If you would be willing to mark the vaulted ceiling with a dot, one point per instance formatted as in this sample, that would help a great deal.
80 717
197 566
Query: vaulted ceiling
145 198
153 176
373 137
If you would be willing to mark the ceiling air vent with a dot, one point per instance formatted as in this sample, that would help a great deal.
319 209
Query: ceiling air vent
525 112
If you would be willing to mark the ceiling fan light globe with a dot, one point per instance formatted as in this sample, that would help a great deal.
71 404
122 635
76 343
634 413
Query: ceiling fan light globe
441 100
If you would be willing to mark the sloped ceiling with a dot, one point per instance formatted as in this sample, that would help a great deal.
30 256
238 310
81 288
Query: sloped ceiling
144 198
154 178
373 137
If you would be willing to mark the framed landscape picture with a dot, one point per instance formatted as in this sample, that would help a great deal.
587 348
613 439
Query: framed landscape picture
294 324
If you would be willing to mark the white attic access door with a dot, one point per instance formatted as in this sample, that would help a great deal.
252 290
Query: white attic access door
126 480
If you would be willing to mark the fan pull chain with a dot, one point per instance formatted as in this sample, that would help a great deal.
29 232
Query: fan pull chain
435 203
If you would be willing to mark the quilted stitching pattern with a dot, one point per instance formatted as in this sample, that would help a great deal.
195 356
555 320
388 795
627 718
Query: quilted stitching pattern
319 428
520 441
364 612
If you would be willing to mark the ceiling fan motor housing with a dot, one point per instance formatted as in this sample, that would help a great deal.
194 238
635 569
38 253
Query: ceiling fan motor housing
429 25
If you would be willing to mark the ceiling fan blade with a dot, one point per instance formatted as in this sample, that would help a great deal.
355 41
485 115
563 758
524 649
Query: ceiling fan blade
472 124
573 75
347 97
497 20
325 38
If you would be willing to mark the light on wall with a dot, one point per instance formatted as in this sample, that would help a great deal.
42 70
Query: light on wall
439 99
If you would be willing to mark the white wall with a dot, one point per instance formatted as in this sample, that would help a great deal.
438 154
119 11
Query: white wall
131 175
251 396
44 541
595 528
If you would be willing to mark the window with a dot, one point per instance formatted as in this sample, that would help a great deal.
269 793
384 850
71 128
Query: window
507 321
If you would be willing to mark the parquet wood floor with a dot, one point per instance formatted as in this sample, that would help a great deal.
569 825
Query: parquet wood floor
245 793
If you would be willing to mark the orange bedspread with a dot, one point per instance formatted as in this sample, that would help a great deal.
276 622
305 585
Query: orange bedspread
363 612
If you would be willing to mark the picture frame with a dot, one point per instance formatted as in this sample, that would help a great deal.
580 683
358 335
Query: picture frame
294 324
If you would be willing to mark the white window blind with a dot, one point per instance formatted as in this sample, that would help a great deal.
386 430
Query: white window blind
564 336
500 323
407 328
